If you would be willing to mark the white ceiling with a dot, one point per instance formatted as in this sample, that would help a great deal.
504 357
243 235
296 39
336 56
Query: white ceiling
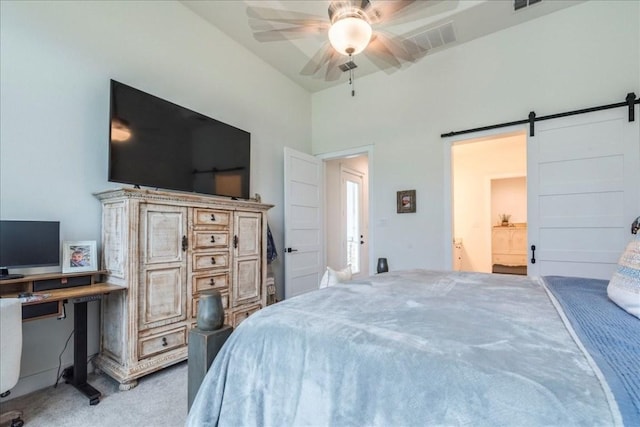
471 19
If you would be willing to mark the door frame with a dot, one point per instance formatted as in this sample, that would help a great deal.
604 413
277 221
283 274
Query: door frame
350 152
447 186
361 217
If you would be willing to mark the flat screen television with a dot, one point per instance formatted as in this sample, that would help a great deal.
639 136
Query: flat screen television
156 143
26 244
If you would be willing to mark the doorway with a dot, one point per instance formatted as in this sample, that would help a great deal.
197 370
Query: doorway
488 181
347 213
582 173
306 208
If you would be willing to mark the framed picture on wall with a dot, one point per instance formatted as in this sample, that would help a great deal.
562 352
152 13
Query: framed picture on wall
79 256
406 201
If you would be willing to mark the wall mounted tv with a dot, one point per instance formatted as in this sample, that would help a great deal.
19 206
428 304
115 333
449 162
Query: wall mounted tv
28 244
156 143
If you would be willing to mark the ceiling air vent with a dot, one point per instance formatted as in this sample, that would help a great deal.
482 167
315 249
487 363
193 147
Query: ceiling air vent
435 37
520 4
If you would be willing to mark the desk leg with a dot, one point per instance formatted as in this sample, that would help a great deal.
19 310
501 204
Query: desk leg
79 379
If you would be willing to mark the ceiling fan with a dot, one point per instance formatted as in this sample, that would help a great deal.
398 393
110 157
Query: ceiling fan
352 28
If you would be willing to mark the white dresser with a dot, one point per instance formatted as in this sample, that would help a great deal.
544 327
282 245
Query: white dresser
166 248
509 245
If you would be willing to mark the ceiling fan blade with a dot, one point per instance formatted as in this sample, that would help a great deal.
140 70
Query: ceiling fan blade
268 33
333 71
275 24
262 25
283 16
398 47
381 56
390 52
325 58
319 59
258 15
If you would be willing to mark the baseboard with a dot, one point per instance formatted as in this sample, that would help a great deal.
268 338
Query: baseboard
38 381
31 383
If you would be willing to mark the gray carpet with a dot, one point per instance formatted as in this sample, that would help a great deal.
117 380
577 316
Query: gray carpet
160 399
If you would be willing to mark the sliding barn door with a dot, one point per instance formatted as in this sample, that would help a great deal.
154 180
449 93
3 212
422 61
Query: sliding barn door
583 192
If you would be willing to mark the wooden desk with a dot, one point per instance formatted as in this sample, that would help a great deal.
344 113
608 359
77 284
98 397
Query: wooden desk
53 303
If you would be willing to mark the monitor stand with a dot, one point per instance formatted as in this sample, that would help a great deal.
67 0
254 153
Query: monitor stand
4 275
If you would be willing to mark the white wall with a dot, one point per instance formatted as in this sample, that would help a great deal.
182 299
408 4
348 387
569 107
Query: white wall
509 197
56 62
474 165
583 56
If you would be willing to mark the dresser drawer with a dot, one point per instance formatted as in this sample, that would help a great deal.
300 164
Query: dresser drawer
224 296
211 239
239 316
208 261
210 217
509 259
218 281
162 342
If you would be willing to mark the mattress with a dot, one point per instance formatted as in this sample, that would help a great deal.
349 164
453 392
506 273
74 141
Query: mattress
408 348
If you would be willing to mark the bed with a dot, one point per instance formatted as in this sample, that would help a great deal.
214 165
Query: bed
423 347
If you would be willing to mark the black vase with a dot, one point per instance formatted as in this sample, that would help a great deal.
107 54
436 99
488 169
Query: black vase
210 311
383 267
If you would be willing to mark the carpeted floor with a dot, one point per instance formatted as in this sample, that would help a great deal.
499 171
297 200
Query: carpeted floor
160 399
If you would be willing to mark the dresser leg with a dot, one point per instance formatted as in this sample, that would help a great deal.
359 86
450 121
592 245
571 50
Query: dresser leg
128 385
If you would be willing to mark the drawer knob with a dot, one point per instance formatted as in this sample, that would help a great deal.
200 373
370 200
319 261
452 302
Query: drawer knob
213 260
213 217
164 342
213 239
212 282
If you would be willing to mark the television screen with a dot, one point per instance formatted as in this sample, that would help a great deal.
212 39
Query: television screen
156 143
29 244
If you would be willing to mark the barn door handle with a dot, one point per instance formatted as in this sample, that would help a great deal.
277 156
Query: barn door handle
533 254
235 241
185 243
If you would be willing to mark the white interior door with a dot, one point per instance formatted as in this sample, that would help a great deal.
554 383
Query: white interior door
303 195
583 174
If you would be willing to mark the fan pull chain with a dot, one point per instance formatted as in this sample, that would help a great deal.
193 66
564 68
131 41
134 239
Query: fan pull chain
351 82
350 66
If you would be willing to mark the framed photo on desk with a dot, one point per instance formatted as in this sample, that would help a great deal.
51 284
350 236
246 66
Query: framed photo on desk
79 256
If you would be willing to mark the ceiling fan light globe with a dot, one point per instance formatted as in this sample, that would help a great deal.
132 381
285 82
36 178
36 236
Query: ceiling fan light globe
350 36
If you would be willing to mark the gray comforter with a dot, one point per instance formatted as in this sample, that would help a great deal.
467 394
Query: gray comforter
417 348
